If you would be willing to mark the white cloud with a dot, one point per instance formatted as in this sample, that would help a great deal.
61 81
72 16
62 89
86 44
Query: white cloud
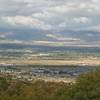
62 38
50 14
94 28
21 20
83 20
55 16
96 1
4 34
26 21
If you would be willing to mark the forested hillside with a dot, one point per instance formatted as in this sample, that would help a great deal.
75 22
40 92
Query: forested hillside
87 87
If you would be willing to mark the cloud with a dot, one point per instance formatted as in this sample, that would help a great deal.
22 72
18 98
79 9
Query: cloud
83 20
4 34
50 14
94 28
59 37
21 21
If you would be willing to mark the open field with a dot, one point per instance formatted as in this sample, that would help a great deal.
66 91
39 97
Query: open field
47 55
84 61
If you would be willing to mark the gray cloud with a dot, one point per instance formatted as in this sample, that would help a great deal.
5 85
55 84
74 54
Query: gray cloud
51 14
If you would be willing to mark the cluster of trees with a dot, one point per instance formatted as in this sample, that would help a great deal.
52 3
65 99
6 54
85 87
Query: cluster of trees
87 87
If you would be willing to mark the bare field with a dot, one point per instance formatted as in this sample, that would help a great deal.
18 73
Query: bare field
84 61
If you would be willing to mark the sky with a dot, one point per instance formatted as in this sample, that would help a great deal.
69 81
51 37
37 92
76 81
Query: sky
53 16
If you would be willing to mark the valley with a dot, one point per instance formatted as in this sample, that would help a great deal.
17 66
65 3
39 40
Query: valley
48 55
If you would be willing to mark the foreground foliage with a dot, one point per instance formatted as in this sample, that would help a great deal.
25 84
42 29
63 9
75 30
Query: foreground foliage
87 87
